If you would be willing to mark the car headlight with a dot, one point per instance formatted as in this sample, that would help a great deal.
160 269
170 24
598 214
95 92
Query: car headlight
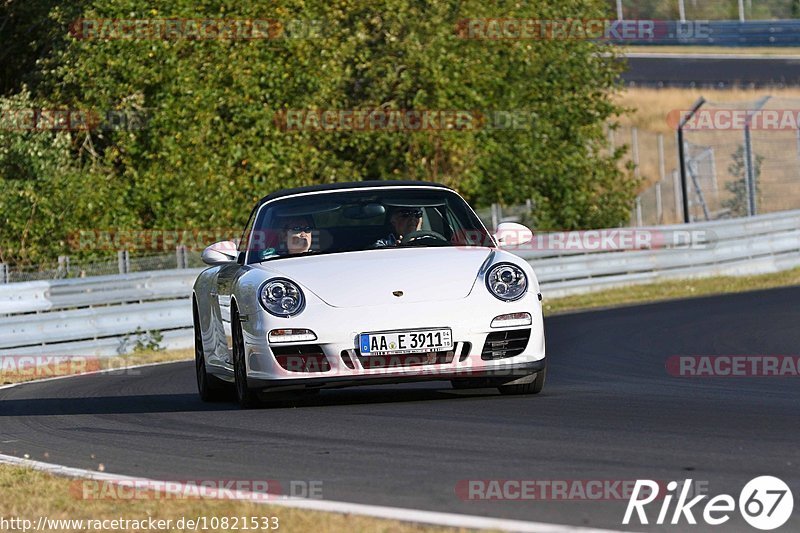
281 297
507 282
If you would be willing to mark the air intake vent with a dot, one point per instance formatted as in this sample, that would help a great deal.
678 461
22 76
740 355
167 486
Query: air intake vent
301 358
347 360
465 351
502 344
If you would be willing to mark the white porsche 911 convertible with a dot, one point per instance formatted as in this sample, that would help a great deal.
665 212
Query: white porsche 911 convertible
370 282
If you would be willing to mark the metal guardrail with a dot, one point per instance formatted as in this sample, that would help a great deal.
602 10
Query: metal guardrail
722 33
97 316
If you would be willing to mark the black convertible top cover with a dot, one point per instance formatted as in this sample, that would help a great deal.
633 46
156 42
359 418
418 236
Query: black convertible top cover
349 185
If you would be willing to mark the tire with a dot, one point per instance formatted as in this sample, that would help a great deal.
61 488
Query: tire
245 396
534 387
210 388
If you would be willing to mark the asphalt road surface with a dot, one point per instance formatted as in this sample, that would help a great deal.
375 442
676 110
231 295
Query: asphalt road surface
610 411
666 70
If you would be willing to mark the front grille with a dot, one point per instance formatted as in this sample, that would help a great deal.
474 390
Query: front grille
502 344
370 362
301 358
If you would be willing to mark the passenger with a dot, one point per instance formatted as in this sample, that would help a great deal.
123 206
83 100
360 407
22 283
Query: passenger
297 234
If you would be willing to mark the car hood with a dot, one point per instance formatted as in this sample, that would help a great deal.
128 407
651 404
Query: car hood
372 277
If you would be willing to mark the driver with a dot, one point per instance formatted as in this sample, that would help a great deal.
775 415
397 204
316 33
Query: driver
404 220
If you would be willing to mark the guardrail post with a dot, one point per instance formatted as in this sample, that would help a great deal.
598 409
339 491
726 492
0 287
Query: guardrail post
181 256
124 261
63 266
3 273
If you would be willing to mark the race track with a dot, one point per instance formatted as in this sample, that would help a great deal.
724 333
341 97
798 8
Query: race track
609 411
711 70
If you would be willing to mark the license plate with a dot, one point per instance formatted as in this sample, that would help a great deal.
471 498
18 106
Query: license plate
408 341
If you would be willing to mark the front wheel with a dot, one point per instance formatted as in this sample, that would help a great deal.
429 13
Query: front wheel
246 396
533 387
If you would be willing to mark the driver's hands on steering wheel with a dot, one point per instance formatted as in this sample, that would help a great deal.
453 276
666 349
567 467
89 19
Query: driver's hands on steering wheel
419 235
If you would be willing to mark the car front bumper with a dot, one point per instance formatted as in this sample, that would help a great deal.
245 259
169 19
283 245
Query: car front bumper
337 331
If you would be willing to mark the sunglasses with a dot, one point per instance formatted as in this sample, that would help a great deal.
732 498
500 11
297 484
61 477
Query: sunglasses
299 229
410 213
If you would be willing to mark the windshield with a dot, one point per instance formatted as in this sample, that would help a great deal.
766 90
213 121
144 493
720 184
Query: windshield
366 219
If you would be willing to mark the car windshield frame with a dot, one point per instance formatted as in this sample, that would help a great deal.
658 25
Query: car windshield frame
447 206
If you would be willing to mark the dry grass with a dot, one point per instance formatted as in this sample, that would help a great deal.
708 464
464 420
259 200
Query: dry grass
46 367
649 107
29 494
727 50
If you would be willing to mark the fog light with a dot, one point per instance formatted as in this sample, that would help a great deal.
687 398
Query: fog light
291 335
512 319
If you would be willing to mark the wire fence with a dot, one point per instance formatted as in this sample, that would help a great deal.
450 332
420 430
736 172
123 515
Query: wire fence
181 258
741 159
705 9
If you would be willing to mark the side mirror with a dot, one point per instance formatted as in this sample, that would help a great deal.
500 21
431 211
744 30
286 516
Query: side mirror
220 253
510 234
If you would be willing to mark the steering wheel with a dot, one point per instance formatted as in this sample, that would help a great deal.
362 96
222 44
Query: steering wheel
423 236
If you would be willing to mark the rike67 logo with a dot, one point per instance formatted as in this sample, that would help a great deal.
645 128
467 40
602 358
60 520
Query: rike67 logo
765 503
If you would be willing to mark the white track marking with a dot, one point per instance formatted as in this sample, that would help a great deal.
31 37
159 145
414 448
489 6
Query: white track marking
376 511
